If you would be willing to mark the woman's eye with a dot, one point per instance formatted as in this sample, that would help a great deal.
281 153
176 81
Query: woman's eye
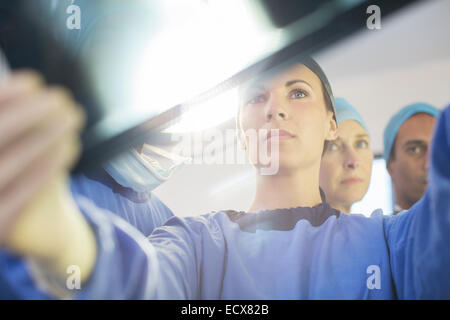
260 98
257 99
296 94
362 144
333 147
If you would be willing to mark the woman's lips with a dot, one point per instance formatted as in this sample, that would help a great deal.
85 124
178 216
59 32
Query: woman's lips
279 134
349 181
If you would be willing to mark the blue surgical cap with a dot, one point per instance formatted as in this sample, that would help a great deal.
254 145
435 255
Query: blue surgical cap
390 132
345 111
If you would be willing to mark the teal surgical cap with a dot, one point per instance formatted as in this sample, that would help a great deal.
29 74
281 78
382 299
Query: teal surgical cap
345 111
390 132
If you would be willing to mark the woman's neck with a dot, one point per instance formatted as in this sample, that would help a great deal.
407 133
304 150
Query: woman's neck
345 208
300 189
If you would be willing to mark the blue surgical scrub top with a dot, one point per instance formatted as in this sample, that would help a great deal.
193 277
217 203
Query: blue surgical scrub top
144 211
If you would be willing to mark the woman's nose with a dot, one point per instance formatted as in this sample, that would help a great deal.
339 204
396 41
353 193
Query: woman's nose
352 159
275 110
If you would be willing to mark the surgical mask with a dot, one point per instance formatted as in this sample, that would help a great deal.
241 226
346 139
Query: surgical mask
144 171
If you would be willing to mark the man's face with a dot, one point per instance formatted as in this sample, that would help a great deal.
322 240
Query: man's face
408 169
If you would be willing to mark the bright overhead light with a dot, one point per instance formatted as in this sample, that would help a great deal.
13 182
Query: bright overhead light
208 114
211 42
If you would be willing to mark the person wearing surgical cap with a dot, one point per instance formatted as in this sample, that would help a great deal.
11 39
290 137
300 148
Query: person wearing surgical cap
123 186
406 146
347 161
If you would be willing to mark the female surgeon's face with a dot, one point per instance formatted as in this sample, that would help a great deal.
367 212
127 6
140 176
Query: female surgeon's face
346 165
293 102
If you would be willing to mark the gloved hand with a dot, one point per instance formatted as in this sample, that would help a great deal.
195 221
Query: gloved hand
39 129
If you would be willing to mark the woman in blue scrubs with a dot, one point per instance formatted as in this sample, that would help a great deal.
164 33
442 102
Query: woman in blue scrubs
347 161
289 244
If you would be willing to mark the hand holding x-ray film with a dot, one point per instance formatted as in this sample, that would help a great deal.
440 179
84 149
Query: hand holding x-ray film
39 143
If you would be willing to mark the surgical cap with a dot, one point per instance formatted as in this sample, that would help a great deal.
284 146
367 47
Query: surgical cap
345 111
390 132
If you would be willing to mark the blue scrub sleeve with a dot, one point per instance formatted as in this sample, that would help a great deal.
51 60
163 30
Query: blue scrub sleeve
126 262
143 211
419 239
15 280
129 266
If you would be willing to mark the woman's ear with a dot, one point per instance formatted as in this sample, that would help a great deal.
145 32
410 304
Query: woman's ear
332 133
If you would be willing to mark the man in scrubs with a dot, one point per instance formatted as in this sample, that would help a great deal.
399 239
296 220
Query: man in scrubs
407 140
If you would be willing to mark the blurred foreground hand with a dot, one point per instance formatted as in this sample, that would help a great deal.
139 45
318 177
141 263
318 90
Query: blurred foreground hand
39 142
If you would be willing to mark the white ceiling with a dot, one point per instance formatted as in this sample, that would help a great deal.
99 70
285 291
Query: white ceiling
406 61
378 71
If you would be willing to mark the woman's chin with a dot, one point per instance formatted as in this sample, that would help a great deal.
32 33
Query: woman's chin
353 198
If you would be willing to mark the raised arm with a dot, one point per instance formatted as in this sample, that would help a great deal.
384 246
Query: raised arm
39 129
42 222
164 266
419 239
